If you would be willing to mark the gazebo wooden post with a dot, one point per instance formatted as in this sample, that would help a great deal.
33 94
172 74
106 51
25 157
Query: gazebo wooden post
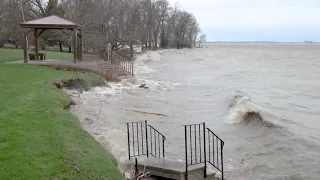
25 47
74 45
36 43
81 45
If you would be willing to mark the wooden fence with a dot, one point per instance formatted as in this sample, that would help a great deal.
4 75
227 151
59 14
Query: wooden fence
120 62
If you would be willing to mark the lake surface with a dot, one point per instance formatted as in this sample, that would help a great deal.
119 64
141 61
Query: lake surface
219 85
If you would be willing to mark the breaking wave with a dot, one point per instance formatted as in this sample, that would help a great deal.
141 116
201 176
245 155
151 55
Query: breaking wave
141 63
127 85
243 111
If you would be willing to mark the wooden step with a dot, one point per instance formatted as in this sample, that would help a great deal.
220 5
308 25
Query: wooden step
173 169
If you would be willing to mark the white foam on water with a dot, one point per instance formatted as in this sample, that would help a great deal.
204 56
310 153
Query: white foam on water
242 109
158 86
154 55
104 91
140 64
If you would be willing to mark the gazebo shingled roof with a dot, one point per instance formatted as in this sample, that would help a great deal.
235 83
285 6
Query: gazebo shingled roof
52 22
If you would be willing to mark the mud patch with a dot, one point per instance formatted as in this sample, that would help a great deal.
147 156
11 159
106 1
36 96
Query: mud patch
73 84
70 103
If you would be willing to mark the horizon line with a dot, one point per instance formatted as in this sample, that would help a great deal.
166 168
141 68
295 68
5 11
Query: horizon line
309 42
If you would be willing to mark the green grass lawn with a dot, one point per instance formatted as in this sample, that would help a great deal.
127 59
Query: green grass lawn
8 54
39 139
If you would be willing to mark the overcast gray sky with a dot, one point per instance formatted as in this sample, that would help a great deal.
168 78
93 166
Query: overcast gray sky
277 20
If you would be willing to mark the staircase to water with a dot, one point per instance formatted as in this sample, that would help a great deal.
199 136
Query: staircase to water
120 62
203 148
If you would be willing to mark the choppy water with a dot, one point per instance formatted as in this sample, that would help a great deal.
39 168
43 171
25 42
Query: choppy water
219 85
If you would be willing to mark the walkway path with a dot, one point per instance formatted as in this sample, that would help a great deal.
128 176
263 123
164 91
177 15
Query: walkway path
105 69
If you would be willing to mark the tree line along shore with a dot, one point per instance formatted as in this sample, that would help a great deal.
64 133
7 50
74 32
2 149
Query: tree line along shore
149 23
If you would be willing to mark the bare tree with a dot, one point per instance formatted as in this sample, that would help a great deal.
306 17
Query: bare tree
3 15
3 12
15 11
202 39
37 7
161 14
115 22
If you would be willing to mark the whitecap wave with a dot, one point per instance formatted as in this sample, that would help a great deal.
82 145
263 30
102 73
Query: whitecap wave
116 89
243 111
142 60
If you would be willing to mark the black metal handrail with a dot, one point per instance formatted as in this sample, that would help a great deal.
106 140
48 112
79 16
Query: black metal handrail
156 143
215 144
137 139
145 140
195 151
203 146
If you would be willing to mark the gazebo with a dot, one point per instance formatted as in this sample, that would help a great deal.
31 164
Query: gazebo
38 26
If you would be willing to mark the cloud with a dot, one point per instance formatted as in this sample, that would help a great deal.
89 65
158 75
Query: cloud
245 14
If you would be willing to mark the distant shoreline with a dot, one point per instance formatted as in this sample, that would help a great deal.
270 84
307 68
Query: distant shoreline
259 42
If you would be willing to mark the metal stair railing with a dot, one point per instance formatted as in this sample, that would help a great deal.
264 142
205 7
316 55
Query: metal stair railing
203 146
215 144
145 140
